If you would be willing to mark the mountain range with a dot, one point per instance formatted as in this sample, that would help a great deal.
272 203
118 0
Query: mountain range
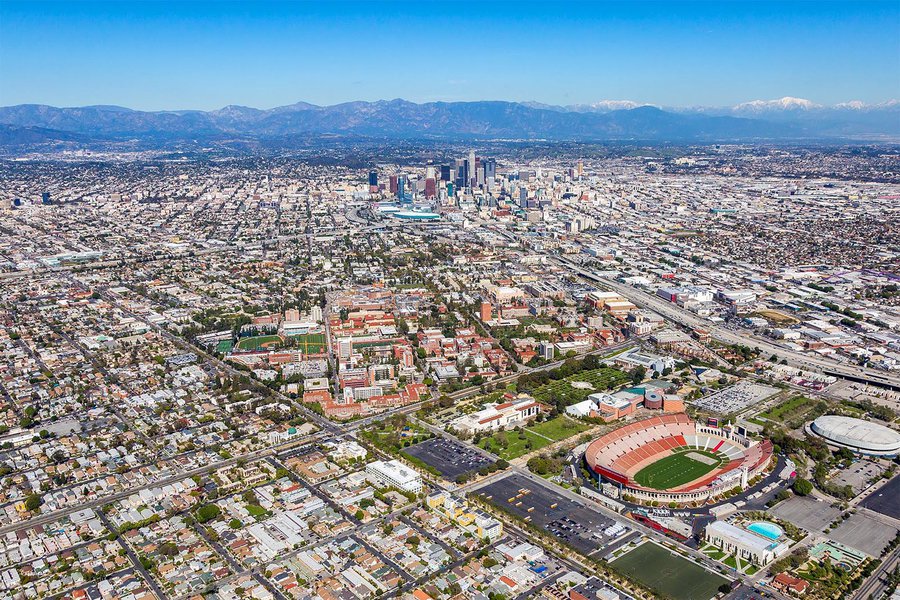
786 119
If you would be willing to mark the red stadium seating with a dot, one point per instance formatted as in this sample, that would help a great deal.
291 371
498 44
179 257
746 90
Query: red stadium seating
629 449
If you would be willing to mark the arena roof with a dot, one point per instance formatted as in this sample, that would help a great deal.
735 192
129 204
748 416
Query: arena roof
857 434
416 215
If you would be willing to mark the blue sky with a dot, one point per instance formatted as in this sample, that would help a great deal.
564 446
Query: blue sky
159 55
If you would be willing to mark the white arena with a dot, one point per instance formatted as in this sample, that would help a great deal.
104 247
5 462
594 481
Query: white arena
860 436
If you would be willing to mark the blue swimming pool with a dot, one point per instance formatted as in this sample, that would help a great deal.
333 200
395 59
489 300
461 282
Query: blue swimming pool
766 529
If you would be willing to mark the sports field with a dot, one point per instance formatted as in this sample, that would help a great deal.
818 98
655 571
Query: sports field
676 469
310 343
259 342
669 575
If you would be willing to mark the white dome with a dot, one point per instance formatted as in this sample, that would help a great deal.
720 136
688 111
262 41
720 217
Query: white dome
857 434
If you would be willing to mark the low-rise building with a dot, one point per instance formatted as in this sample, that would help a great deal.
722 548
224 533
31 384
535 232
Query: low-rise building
500 416
393 473
745 544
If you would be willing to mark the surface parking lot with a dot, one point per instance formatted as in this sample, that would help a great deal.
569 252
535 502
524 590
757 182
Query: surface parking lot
864 533
449 457
578 526
807 513
885 500
859 474
736 398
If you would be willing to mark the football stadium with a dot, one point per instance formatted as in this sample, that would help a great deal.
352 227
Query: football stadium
671 458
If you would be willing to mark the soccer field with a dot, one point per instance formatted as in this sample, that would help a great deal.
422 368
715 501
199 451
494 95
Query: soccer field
675 470
668 574
311 343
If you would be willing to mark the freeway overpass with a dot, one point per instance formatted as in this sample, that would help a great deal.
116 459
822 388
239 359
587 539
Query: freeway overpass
675 313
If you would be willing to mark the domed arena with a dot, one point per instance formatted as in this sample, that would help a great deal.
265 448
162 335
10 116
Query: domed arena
671 458
860 436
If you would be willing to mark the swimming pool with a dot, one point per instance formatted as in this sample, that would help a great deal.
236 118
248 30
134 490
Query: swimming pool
766 529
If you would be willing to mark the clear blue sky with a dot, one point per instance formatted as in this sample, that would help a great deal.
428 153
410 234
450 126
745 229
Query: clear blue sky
159 55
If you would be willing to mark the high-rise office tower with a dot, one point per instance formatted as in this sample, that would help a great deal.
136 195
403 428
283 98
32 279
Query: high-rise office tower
373 178
430 188
470 169
393 184
489 165
445 173
461 173
45 198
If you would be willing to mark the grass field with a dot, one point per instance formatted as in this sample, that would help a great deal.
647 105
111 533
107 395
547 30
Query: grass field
668 574
795 407
259 341
559 428
532 438
310 343
600 379
675 469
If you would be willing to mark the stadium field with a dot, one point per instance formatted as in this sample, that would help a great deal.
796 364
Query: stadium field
259 342
676 469
668 574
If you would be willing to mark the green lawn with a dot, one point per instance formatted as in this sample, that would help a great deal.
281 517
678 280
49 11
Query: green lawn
256 510
559 428
792 407
517 444
259 341
675 470
600 380
668 574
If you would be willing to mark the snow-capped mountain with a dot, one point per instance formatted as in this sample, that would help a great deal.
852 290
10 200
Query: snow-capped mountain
606 106
786 103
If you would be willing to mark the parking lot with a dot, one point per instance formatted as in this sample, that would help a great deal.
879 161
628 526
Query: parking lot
806 513
449 457
864 533
859 474
576 525
885 500
735 398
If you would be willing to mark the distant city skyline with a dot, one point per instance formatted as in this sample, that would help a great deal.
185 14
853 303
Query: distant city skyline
204 56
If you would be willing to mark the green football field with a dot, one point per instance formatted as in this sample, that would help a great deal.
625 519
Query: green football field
669 575
675 470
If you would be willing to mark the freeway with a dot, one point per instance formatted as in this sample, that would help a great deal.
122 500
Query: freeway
687 319
876 585
678 315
